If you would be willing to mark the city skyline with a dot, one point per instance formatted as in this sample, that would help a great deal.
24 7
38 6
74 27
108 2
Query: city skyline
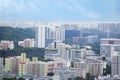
59 40
62 10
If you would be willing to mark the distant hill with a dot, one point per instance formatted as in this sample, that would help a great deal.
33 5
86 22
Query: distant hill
16 34
72 33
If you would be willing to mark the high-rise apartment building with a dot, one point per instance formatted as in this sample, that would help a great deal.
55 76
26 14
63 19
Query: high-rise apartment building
1 68
34 59
46 34
109 27
116 64
23 57
39 68
94 67
108 46
40 36
11 64
27 43
59 33
22 68
6 44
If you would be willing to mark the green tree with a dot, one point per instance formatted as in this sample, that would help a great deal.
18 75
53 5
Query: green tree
79 78
21 78
39 52
15 78
108 69
89 76
72 64
104 71
104 58
9 78
70 79
5 78
10 33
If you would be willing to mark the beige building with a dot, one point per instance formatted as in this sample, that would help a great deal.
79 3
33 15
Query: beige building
6 44
27 43
23 57
22 68
11 64
36 68
39 68
94 67
34 59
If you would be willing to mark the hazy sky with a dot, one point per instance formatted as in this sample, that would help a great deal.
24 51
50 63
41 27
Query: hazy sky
60 10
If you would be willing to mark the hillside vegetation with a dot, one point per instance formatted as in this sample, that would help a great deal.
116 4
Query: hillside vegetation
18 34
